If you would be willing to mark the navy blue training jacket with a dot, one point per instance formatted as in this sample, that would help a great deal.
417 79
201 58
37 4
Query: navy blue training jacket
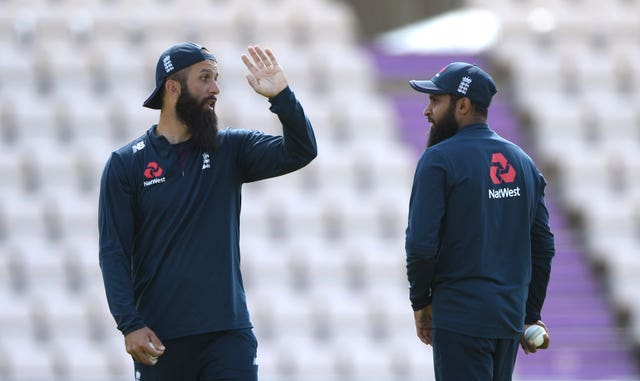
478 242
169 237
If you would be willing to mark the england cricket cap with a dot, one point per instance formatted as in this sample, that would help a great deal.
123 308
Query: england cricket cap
462 79
176 58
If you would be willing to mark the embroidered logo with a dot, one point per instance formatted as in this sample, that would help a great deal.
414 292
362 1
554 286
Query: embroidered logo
501 171
206 162
168 65
153 170
463 86
138 146
153 173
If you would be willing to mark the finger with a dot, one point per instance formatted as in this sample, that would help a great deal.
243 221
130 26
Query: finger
252 68
263 57
144 358
151 360
272 57
253 82
523 345
256 58
154 350
425 336
546 342
154 341
423 339
541 324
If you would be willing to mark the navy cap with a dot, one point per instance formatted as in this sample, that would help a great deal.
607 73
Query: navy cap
462 79
176 58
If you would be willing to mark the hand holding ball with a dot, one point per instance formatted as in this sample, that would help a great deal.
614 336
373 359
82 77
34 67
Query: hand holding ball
535 334
535 337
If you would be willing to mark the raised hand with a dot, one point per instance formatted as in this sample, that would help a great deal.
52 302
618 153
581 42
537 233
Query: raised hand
267 77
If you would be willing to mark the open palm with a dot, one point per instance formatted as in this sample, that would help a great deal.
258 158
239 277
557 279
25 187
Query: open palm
267 77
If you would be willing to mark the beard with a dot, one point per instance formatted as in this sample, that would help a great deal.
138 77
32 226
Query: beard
201 122
443 129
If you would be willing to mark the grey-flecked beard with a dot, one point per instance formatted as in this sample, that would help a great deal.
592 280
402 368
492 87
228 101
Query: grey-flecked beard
202 123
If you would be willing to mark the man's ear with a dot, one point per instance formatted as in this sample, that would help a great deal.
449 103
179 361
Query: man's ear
464 105
172 87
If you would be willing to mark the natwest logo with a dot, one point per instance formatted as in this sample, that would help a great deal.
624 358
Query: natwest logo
153 170
153 173
501 171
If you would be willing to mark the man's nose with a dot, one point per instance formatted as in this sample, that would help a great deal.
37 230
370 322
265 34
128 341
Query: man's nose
215 89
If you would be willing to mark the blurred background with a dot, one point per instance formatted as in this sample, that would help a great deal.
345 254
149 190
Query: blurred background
323 248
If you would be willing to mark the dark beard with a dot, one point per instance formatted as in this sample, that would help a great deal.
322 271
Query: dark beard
202 123
443 129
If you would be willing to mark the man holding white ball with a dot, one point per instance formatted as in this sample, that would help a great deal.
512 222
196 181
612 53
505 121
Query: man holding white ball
169 213
478 242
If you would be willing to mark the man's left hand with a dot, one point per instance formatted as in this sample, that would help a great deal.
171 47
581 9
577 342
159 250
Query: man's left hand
529 346
267 77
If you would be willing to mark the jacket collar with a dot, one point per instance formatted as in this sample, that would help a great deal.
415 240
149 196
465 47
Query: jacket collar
159 142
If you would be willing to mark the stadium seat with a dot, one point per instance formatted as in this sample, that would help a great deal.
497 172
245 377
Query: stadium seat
410 358
10 170
363 357
81 260
24 217
26 360
78 359
15 313
60 315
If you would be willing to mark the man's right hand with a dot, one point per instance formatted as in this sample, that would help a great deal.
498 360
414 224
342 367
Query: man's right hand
423 320
144 346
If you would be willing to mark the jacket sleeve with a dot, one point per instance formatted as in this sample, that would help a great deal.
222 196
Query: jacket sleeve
115 225
426 211
262 156
542 252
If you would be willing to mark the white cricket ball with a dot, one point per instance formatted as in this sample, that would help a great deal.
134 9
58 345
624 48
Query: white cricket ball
535 333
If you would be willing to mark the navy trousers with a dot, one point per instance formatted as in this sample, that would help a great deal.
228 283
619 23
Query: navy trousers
218 356
469 358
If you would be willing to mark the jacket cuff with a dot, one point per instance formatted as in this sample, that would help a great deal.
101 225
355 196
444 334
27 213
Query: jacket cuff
418 303
281 99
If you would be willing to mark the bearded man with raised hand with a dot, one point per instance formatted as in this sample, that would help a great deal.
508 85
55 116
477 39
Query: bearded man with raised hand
169 215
